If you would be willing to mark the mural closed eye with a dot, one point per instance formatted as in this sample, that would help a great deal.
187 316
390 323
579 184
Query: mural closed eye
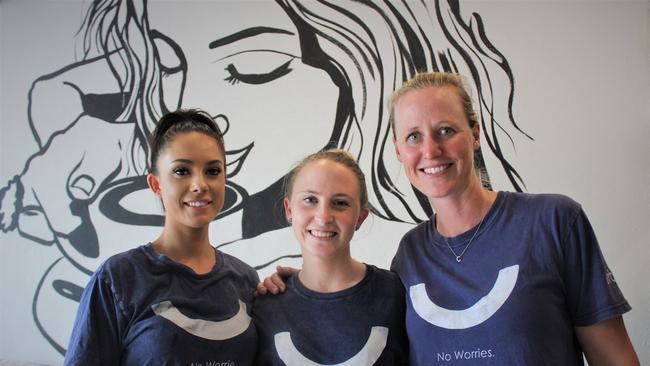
212 330
481 311
368 355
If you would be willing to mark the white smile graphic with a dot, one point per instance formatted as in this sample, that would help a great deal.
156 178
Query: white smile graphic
481 311
368 355
212 330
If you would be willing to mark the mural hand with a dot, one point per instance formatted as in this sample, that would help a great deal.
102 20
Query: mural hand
11 202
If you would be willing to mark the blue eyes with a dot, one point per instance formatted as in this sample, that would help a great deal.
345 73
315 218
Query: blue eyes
337 203
446 132
412 137
440 133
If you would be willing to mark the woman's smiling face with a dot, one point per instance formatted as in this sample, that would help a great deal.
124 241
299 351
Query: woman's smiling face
244 64
190 180
434 141
325 208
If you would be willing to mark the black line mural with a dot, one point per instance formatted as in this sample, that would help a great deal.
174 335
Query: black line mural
284 79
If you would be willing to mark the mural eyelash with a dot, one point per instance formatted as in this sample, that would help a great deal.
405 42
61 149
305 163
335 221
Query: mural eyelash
255 79
232 80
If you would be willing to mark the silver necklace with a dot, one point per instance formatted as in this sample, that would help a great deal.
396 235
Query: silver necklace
459 257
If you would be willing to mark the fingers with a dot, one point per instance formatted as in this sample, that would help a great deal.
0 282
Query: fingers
261 289
285 272
274 284
267 286
10 203
276 281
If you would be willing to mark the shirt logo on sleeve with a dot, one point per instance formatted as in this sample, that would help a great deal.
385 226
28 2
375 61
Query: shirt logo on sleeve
212 330
368 355
481 311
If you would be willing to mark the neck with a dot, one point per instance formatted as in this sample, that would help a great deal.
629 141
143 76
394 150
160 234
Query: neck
331 275
455 216
190 247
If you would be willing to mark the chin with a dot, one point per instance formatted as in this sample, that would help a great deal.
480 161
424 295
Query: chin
198 224
434 194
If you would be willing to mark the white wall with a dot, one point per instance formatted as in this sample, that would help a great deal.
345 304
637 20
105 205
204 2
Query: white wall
582 74
583 81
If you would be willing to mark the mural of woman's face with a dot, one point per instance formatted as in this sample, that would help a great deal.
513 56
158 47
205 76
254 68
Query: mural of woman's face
244 64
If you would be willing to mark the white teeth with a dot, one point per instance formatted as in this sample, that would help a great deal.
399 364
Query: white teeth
197 203
322 234
435 169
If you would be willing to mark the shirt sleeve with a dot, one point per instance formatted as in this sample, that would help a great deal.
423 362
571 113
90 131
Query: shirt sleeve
592 292
96 336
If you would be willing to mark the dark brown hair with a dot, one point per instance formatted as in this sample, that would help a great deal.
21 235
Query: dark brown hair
181 121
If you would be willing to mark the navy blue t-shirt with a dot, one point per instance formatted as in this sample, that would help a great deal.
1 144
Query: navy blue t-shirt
141 308
361 325
533 272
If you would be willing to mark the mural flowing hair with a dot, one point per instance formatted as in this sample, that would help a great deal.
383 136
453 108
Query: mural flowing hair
367 48
372 48
119 31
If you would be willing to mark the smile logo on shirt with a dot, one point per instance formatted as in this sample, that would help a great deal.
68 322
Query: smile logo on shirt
212 330
476 314
368 355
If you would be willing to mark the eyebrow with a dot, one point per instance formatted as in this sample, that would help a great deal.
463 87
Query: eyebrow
335 195
246 33
188 161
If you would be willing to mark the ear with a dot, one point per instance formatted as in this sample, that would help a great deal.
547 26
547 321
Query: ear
476 133
397 153
154 184
362 217
287 208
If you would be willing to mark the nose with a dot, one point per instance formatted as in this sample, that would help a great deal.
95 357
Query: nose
323 214
199 183
431 148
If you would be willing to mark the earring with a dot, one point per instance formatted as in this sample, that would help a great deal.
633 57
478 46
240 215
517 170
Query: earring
289 220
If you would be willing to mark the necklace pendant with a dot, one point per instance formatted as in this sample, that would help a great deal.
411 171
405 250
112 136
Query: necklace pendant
458 259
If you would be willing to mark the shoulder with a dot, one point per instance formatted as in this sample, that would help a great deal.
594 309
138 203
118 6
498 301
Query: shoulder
238 267
383 275
411 242
541 199
124 264
540 202
269 303
417 232
385 279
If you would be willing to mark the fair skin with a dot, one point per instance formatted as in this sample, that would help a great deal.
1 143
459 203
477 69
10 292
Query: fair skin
325 210
190 181
435 143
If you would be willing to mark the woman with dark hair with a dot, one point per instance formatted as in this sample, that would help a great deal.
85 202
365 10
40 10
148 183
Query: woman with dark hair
177 299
